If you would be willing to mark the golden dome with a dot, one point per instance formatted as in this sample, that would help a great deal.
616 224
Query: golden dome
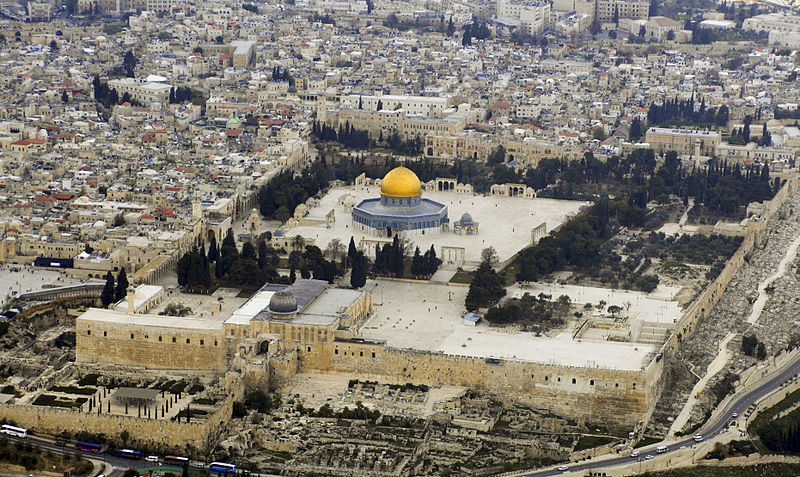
401 182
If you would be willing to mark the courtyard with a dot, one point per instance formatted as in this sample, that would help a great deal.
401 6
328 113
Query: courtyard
505 223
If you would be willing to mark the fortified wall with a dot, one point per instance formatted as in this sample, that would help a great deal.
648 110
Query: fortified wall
753 236
706 301
156 345
617 398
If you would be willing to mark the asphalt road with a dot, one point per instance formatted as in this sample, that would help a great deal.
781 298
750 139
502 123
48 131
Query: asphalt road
118 464
710 429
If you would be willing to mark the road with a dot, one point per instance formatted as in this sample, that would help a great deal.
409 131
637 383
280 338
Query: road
118 464
712 428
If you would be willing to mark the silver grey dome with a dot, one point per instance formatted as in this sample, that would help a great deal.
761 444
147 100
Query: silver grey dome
283 302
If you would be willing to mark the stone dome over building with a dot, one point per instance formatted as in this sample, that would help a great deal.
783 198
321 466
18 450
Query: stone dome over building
466 218
283 302
401 182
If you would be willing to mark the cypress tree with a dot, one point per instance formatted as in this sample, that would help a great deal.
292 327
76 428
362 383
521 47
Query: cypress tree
107 296
213 250
418 264
358 276
122 285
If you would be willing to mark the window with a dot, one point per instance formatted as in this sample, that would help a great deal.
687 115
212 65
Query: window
215 342
559 379
308 349
188 341
105 333
202 342
616 385
573 381
159 338
591 382
89 332
634 385
547 378
131 335
361 353
336 351
373 354
174 340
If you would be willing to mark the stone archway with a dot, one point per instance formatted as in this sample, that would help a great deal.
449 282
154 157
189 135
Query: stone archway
263 347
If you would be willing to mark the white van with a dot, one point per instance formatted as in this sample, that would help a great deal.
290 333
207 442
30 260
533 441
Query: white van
151 458
661 449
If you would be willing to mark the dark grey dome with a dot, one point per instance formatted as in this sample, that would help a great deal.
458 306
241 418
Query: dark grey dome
283 302
466 218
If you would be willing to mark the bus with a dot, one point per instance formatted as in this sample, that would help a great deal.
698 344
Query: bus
14 431
87 447
177 460
222 467
129 453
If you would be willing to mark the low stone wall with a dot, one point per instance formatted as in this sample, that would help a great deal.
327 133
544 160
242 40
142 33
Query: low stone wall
158 433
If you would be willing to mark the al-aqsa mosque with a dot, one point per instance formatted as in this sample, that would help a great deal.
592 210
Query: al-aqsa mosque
400 208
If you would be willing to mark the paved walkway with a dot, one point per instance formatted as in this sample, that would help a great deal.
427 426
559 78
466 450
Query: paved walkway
716 366
763 295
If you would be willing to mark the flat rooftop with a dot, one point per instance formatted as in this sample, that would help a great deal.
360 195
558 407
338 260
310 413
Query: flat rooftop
428 317
505 222
112 316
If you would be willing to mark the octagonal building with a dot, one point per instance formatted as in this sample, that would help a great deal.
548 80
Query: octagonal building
400 208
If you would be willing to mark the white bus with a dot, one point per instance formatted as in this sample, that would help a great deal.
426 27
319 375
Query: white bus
14 431
222 467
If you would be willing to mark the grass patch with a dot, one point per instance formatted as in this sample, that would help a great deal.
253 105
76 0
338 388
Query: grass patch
206 401
461 277
73 390
112 28
758 470
674 267
10 389
646 441
54 401
588 442
89 380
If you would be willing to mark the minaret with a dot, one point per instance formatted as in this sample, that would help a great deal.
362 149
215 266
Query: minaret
131 303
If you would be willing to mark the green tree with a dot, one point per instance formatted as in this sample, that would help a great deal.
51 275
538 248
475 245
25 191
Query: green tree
486 288
213 250
498 155
122 284
595 27
248 251
417 264
108 293
358 275
228 253
129 64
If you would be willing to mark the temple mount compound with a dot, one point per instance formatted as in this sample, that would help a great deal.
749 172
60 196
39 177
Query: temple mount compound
400 208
